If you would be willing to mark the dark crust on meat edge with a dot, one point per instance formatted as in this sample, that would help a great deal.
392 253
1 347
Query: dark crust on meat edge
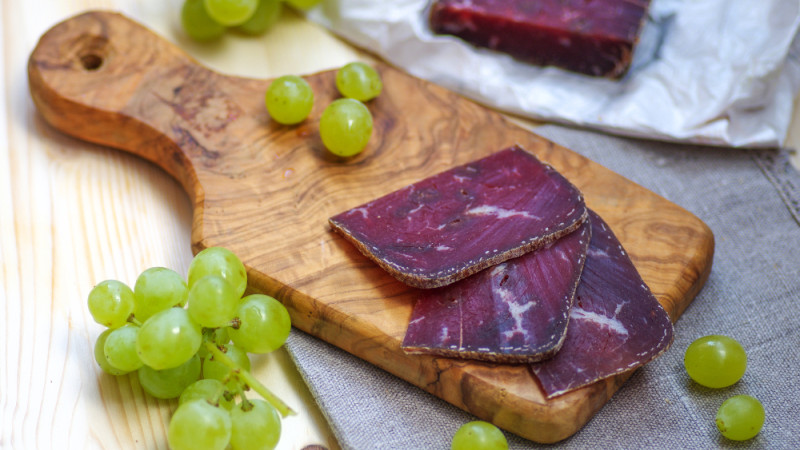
483 263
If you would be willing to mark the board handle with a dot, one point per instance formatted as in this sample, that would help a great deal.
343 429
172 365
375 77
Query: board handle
88 77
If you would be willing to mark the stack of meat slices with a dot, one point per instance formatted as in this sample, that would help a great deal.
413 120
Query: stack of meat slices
514 269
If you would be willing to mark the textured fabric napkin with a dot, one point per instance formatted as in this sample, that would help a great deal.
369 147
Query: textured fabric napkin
751 201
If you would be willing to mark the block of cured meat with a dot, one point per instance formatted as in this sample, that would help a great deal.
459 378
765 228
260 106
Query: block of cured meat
514 312
615 325
458 222
594 37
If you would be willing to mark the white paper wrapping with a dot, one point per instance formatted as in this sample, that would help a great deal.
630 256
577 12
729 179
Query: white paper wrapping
719 72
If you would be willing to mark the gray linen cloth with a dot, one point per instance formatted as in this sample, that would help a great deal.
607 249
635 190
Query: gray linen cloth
750 201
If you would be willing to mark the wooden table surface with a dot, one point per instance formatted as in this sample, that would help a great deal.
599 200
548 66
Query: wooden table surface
73 214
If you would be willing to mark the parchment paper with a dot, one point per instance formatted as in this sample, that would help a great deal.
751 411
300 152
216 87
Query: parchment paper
717 72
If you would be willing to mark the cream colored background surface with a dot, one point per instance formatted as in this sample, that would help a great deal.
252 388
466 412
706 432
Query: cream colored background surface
73 214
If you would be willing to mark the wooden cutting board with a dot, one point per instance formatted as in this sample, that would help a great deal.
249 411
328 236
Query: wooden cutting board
266 190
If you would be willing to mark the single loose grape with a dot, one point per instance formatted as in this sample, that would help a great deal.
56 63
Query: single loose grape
213 369
120 348
199 425
157 289
212 301
209 390
258 428
169 383
267 13
197 23
111 303
230 12
303 4
168 339
345 127
740 417
289 99
100 356
359 81
219 261
479 435
265 324
715 361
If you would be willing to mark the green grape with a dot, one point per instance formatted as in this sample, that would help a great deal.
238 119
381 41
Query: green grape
740 418
218 371
157 289
168 339
197 23
208 390
265 324
289 99
169 383
212 301
199 425
230 12
359 81
303 4
256 429
120 348
479 435
100 356
715 361
345 127
267 13
111 303
219 261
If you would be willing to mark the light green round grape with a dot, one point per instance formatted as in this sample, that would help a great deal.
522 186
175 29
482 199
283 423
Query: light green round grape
120 348
303 4
230 12
216 370
219 261
289 99
264 327
198 24
256 429
266 15
209 390
100 356
359 81
168 339
345 127
740 417
212 302
169 383
155 290
111 303
199 425
479 435
715 361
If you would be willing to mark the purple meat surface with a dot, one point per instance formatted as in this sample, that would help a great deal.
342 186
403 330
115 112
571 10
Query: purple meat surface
458 222
514 312
593 37
616 324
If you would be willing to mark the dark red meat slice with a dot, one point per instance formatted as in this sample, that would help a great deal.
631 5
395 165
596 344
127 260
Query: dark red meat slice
616 324
454 224
514 312
594 37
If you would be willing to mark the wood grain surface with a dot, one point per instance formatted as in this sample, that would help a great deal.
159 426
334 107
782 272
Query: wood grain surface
265 191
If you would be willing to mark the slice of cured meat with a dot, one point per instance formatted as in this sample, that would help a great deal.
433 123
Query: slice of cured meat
616 324
594 37
454 224
514 312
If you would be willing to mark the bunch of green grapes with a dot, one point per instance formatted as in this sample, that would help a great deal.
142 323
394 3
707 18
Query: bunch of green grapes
190 339
718 361
206 20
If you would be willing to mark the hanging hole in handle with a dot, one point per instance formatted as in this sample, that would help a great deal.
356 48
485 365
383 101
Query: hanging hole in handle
93 51
91 61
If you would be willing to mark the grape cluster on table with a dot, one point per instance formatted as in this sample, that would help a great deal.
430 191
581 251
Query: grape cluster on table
190 339
207 20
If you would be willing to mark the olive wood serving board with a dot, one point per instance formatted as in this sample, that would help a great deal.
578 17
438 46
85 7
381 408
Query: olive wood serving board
265 191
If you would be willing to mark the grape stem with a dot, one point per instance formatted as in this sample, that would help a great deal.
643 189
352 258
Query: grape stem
250 380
